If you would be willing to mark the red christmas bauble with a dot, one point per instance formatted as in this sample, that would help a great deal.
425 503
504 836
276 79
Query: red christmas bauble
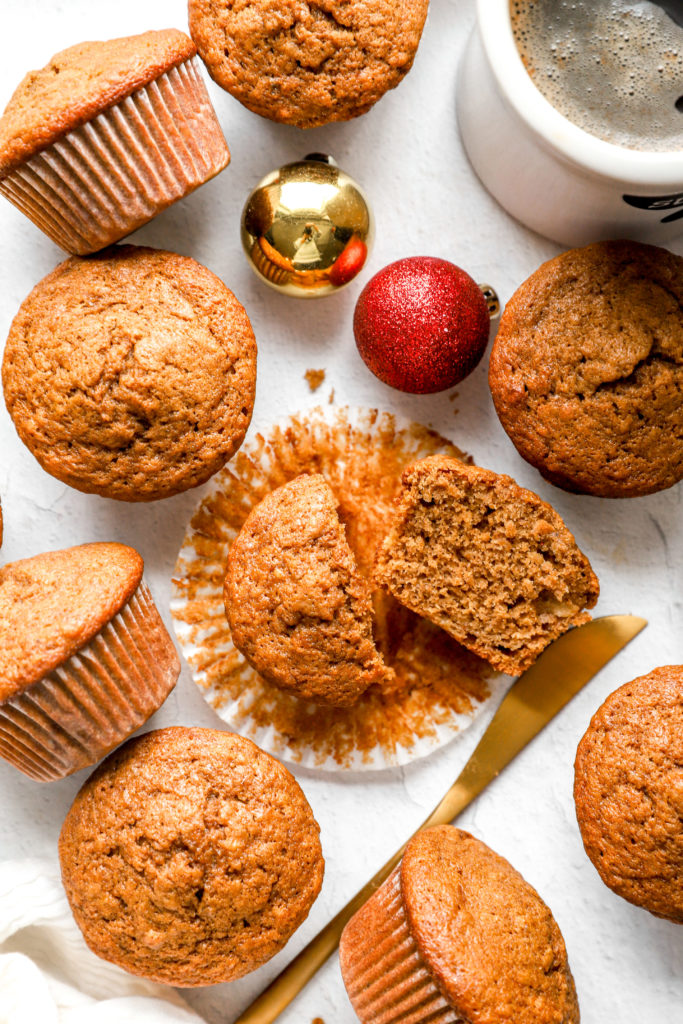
421 325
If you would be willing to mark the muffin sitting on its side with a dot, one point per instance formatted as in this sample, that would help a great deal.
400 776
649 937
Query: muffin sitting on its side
456 936
486 560
298 609
107 135
190 857
84 657
628 790
131 374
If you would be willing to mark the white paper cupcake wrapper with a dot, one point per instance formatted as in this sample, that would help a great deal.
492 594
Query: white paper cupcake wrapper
384 973
276 721
99 696
107 178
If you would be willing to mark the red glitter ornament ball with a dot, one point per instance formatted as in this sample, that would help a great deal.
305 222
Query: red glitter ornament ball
421 325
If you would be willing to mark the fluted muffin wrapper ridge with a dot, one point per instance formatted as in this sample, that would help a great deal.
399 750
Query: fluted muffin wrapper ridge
384 973
77 713
107 178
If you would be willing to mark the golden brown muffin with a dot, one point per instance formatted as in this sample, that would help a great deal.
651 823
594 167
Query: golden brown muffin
107 135
298 608
455 934
84 657
486 560
629 795
131 374
586 371
308 64
190 857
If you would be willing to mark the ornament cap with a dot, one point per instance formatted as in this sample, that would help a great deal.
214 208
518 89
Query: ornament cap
323 158
492 301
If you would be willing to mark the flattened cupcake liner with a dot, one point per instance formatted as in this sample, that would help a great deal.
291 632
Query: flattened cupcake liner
440 687
107 178
385 976
99 696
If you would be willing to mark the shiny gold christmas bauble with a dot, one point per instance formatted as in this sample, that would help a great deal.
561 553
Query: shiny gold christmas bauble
307 228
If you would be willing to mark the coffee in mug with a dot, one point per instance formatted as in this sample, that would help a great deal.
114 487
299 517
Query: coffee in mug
612 67
603 158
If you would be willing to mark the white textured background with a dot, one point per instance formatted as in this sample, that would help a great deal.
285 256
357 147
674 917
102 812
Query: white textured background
406 153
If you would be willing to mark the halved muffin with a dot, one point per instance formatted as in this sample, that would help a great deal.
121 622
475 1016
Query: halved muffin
299 610
485 559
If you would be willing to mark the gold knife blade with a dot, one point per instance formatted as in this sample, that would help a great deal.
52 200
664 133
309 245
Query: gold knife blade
530 703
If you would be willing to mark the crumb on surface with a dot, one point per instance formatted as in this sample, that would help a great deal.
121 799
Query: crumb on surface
314 378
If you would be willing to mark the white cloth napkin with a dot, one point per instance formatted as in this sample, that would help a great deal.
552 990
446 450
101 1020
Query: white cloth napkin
47 973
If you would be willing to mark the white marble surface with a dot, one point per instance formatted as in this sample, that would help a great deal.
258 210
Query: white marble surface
407 154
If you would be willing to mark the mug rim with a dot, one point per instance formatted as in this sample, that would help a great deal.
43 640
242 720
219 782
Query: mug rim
633 166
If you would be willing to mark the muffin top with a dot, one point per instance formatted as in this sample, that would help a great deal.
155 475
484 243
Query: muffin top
131 374
53 604
78 84
190 856
307 64
489 939
298 608
628 789
586 371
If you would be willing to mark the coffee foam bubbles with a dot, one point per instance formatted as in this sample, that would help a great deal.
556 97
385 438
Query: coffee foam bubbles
613 67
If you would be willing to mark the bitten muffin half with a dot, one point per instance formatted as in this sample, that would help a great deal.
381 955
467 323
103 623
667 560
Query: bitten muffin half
586 371
456 936
307 64
84 657
485 559
131 374
298 608
190 857
628 790
107 135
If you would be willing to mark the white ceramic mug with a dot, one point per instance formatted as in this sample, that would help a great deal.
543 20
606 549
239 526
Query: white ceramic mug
548 173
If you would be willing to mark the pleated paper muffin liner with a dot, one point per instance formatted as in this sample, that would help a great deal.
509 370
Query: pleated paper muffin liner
76 714
384 973
439 686
107 178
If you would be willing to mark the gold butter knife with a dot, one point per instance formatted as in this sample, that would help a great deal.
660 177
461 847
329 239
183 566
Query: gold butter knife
530 703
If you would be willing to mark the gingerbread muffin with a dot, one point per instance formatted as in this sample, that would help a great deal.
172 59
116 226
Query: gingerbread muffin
308 64
190 857
586 371
107 135
84 657
455 934
486 560
629 794
298 608
131 374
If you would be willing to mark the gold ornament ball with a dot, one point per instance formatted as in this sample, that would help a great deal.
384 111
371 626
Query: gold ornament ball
307 228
